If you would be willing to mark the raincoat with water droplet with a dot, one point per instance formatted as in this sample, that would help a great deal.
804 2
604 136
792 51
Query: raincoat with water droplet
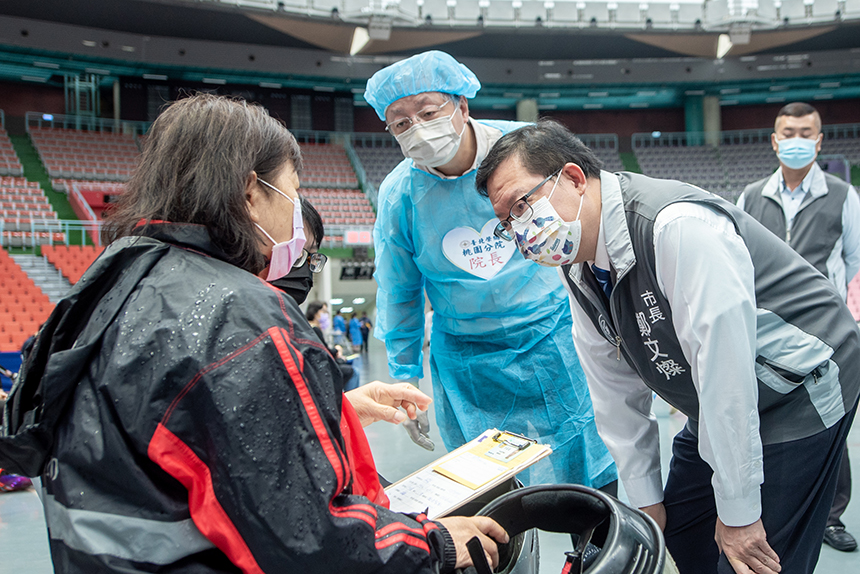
183 416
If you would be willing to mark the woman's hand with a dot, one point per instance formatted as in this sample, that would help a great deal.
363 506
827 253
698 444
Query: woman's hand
464 528
378 401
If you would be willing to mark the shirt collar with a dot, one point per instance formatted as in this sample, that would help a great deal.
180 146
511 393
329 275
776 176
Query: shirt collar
804 185
615 245
601 255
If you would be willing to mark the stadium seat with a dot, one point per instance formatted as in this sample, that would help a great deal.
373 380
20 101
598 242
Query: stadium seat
23 306
71 260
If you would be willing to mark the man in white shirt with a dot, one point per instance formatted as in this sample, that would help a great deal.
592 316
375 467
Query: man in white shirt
715 314
818 215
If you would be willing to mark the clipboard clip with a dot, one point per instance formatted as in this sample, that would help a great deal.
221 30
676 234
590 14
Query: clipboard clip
514 440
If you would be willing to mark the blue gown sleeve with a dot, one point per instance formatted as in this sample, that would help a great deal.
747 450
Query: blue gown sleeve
400 283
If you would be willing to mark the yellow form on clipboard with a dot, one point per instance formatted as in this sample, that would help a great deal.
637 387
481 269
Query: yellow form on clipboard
465 473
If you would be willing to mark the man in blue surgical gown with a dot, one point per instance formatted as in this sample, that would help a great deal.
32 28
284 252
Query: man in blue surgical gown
501 354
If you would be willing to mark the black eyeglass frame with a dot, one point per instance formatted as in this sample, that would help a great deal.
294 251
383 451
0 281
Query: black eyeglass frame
503 229
317 261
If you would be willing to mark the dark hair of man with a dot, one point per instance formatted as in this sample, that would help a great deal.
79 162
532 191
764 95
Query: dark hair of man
799 110
195 167
543 148
313 222
312 310
796 110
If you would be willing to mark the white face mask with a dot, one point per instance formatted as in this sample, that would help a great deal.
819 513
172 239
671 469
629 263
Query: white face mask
432 143
547 239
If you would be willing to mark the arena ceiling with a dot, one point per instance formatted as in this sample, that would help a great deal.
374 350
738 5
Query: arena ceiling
215 20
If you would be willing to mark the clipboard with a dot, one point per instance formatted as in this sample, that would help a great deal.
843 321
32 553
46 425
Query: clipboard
466 473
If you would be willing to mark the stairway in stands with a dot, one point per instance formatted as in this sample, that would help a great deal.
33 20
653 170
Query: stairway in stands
44 275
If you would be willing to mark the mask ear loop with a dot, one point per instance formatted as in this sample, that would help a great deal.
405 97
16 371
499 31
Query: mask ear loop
269 185
578 211
555 185
296 206
456 102
265 233
553 191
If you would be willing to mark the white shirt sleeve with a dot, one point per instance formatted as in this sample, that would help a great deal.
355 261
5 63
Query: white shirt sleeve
705 271
851 234
630 433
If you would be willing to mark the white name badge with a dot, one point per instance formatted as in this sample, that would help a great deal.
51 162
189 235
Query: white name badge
481 254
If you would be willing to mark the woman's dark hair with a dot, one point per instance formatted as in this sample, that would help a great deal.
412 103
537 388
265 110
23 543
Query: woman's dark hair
195 167
543 149
312 310
313 222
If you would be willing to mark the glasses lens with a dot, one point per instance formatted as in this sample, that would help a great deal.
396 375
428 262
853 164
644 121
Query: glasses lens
521 211
318 261
427 114
430 112
301 260
503 231
399 126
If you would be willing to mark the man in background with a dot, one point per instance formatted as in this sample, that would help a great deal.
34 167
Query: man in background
818 215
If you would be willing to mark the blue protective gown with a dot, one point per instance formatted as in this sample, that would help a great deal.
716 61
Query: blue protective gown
355 332
501 350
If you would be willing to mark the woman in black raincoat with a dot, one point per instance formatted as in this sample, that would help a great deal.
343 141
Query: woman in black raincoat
179 409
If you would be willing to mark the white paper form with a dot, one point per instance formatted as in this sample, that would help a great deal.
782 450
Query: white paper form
427 490
464 474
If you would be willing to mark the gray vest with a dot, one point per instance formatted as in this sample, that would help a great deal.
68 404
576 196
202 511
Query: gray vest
808 345
816 227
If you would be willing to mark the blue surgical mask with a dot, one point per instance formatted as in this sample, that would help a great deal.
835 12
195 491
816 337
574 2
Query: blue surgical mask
797 153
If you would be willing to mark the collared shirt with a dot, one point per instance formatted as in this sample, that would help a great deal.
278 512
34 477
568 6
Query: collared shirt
485 138
729 439
601 256
844 263
792 199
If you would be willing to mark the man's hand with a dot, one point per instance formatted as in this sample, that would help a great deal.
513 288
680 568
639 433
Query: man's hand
747 549
378 401
463 528
657 512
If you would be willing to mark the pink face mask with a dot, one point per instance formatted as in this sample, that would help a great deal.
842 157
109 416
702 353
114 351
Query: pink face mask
286 253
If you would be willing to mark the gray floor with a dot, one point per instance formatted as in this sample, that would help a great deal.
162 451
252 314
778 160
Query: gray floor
24 545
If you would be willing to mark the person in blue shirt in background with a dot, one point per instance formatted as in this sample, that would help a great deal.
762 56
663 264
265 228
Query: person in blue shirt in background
338 328
355 332
502 355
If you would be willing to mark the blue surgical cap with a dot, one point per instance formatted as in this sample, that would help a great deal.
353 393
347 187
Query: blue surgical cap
432 71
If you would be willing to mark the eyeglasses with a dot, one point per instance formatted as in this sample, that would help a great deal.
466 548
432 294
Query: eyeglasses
521 211
427 114
317 261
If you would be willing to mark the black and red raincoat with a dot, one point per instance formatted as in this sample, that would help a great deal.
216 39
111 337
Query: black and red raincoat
184 417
